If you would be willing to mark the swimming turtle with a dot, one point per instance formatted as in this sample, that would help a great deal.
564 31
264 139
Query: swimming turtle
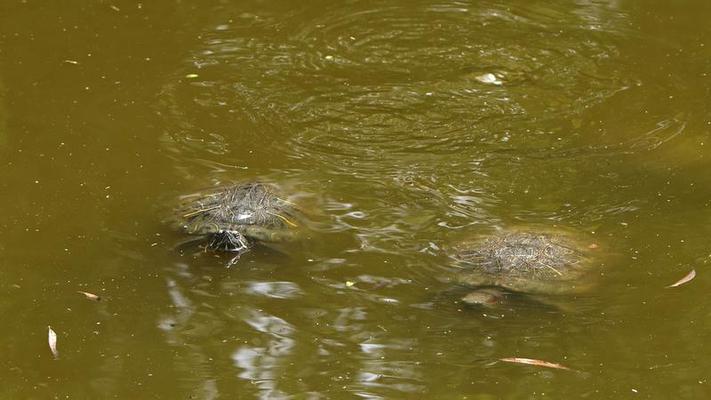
536 263
234 217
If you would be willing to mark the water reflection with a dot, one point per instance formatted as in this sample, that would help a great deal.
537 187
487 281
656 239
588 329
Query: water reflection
390 112
402 126
415 124
380 371
277 290
261 363
363 91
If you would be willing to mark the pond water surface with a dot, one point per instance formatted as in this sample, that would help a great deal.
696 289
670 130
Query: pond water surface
402 127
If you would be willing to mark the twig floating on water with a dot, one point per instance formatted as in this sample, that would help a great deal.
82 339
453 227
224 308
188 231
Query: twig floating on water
691 275
537 363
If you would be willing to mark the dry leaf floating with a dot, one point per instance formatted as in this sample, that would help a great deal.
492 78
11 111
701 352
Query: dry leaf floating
537 363
90 296
52 340
688 277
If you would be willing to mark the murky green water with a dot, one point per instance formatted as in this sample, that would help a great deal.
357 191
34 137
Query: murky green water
404 127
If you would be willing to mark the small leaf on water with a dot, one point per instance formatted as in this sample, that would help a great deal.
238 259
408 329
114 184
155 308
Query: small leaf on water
90 296
488 78
537 363
52 340
691 275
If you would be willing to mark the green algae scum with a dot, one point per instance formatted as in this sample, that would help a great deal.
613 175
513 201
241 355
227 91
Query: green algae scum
401 174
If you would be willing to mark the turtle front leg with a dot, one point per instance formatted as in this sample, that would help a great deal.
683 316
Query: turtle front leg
488 297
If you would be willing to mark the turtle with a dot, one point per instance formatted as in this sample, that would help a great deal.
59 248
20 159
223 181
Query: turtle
537 263
233 218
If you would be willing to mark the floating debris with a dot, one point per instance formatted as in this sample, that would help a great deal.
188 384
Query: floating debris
90 296
52 340
191 76
534 362
489 78
691 275
350 283
73 62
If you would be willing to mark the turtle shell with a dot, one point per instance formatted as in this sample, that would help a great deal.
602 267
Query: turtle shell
525 261
233 216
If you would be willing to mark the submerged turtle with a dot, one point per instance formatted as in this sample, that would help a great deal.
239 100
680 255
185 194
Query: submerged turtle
233 218
530 262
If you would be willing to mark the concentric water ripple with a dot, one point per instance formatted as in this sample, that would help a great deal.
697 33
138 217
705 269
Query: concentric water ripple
369 94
